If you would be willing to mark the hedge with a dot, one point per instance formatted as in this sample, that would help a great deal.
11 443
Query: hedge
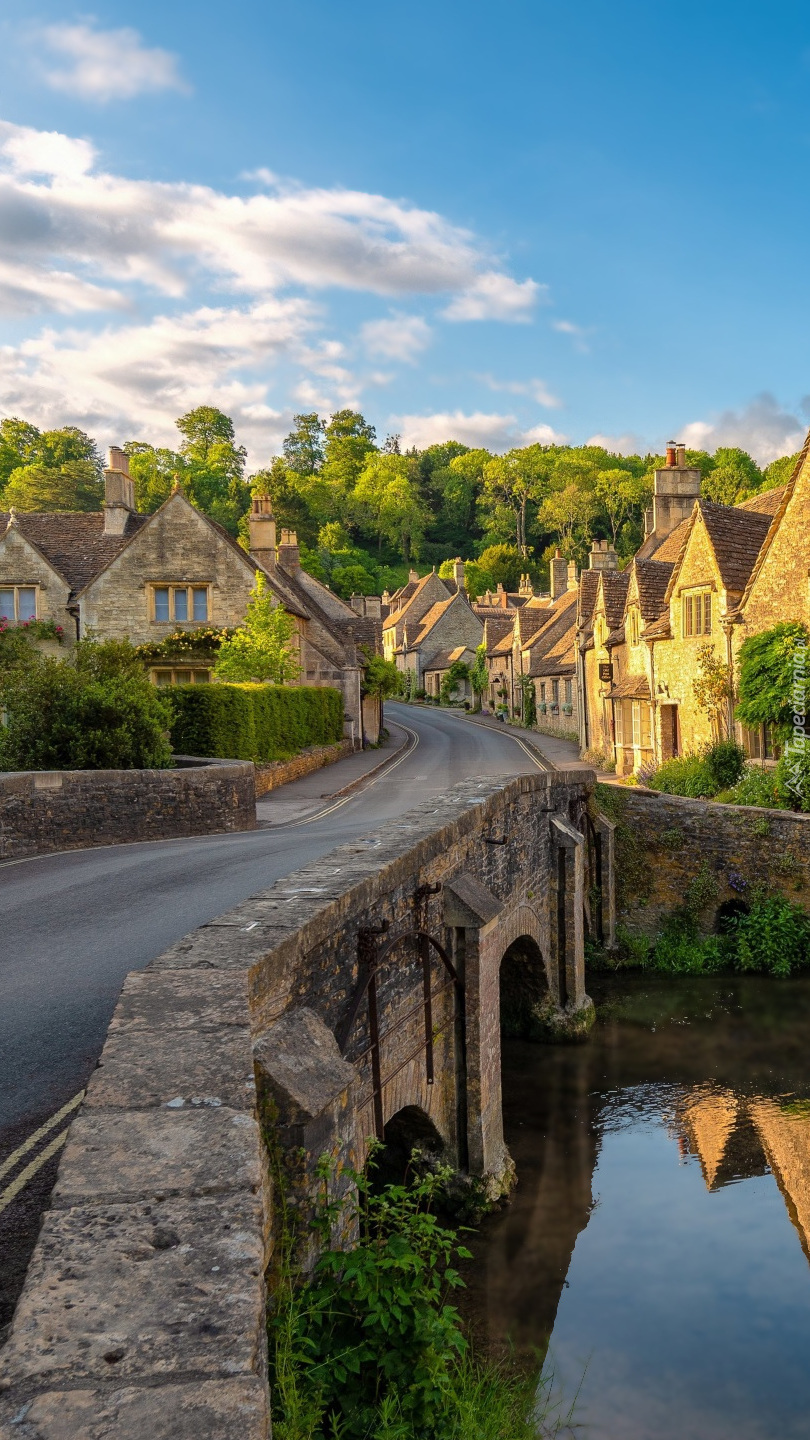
254 722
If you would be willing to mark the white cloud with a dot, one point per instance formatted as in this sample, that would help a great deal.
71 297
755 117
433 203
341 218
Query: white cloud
108 64
61 210
397 337
761 427
494 296
577 333
132 381
490 432
627 444
536 390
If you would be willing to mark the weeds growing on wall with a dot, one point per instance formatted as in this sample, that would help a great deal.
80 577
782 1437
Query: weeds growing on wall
371 1348
772 937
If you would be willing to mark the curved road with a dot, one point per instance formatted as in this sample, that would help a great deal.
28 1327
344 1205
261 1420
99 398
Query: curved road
75 923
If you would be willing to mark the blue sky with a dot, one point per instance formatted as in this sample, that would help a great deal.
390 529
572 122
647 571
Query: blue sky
496 222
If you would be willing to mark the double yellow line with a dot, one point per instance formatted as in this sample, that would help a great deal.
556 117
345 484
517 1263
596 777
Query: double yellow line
12 1161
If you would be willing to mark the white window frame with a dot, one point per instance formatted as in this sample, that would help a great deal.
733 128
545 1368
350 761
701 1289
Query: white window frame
15 589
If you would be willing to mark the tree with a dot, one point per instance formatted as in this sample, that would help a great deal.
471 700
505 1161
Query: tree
714 689
457 673
303 447
779 471
380 677
620 493
155 473
213 474
569 514
348 442
73 486
509 482
774 677
262 648
387 500
18 446
479 675
734 477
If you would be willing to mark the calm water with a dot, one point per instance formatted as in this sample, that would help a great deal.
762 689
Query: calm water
659 1238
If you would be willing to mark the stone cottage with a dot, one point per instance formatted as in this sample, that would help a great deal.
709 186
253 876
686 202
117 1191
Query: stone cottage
118 574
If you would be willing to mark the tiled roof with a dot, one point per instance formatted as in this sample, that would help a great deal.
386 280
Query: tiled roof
630 687
766 503
652 579
552 650
667 549
614 589
496 628
445 658
588 586
736 537
779 515
659 629
73 542
429 619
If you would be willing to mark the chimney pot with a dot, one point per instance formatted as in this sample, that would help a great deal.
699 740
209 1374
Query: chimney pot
680 451
672 458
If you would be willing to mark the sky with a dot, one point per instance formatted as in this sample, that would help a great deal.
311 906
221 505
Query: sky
495 223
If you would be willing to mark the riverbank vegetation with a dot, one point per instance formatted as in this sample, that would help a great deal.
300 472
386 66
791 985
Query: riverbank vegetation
370 1347
722 772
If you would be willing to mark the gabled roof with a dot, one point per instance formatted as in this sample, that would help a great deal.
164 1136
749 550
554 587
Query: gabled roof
552 650
736 537
778 516
652 579
410 592
630 687
73 542
445 658
588 588
434 614
615 584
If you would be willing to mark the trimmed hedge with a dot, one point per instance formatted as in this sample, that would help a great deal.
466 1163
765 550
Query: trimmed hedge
254 722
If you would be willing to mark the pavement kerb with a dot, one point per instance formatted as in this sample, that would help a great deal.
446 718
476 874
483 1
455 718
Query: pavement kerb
376 769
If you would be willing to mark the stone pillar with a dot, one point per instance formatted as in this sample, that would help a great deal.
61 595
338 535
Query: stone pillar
606 830
567 929
471 913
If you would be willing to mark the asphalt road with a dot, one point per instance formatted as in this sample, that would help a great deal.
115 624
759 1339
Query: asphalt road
75 923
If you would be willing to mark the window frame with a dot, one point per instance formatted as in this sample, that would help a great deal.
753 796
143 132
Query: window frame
174 670
15 590
189 586
697 612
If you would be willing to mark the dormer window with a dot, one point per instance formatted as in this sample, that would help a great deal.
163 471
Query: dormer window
18 603
179 604
697 612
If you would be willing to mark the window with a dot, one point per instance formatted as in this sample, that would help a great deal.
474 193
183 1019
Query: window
543 690
697 613
641 725
568 692
180 677
618 721
179 603
632 626
18 603
555 692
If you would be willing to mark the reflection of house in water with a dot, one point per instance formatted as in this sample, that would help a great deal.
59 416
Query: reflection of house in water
719 1130
735 1138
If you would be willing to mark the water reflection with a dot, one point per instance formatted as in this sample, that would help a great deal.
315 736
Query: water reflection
655 1240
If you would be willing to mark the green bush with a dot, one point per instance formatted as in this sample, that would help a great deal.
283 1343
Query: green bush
254 722
726 763
370 1349
681 950
65 716
793 779
757 787
774 937
691 775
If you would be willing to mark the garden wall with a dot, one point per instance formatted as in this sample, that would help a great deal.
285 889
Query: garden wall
666 842
48 810
281 772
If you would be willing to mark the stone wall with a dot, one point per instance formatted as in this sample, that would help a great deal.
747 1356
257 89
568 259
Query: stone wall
143 1310
665 842
43 811
281 772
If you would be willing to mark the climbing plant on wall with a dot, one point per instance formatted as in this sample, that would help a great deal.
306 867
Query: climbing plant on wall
774 677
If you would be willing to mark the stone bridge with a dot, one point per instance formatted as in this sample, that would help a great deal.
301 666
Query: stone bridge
362 996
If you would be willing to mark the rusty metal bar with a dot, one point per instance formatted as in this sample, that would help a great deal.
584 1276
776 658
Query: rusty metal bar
403 1020
424 950
376 1079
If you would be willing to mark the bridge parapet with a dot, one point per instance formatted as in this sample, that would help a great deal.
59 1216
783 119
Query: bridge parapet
143 1311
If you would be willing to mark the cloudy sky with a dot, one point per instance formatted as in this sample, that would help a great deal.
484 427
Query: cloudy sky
494 222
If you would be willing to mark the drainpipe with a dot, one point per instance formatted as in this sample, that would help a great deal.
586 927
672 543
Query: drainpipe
654 702
730 662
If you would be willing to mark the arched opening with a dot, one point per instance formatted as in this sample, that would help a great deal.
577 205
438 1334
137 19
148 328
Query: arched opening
524 988
406 1131
727 914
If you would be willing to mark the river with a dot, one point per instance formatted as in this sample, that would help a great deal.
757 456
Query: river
656 1249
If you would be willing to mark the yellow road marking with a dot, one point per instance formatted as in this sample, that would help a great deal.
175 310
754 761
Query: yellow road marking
12 1191
361 790
12 1160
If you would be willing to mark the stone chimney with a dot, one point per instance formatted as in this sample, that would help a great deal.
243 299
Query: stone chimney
603 556
573 577
558 572
413 577
262 528
119 493
288 555
458 572
677 487
526 588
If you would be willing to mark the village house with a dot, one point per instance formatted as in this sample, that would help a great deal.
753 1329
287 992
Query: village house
700 582
429 626
118 574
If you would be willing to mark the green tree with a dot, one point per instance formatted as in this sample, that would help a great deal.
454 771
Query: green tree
774 677
380 677
348 442
504 564
19 444
388 502
509 482
734 477
303 447
479 675
569 515
262 648
621 495
155 473
779 471
214 466
74 485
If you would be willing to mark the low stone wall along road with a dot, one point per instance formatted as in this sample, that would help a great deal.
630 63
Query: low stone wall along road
76 923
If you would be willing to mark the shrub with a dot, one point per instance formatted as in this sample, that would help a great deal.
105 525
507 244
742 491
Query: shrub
768 677
793 779
254 722
726 762
681 950
690 775
61 716
756 787
774 937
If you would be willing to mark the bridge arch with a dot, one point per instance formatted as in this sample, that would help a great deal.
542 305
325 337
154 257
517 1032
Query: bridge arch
408 1129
